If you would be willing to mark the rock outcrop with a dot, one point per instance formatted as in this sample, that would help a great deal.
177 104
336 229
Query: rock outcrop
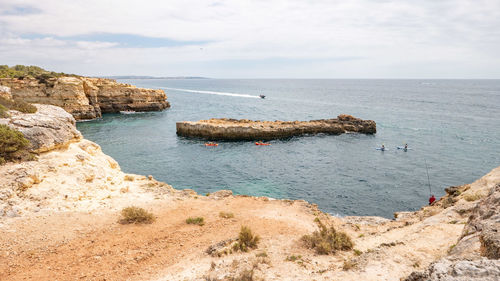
49 128
232 129
86 98
477 252
5 93
460 270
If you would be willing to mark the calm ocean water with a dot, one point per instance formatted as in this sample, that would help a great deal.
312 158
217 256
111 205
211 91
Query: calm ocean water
453 125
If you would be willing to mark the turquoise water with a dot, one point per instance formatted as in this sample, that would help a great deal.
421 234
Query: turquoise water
451 124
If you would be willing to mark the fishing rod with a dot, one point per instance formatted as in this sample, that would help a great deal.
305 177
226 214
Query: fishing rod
428 179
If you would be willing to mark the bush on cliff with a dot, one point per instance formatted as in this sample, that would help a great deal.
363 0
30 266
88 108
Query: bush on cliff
246 240
3 112
18 105
136 215
13 145
21 71
327 240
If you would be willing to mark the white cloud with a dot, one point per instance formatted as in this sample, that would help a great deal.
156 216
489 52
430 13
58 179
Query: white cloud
389 38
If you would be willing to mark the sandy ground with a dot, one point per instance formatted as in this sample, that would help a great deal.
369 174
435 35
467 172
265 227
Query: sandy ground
78 237
93 246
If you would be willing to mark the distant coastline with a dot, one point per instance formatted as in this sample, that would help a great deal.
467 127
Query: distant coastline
152 77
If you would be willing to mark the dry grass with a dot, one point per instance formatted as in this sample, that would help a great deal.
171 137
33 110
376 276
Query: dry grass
226 215
246 240
198 220
261 255
472 197
348 264
18 105
3 112
327 240
136 215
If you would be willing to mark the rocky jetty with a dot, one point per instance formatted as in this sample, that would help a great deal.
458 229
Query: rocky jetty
83 97
232 129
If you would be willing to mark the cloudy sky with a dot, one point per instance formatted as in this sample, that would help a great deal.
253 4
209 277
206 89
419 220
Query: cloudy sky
255 39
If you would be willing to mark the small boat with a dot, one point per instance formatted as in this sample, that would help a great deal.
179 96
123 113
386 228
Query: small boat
262 96
211 144
127 112
262 143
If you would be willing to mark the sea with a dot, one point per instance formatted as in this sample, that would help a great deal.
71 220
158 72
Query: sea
452 128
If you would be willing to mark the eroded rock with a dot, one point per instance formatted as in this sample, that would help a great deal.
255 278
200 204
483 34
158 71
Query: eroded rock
86 98
49 128
5 93
462 270
232 129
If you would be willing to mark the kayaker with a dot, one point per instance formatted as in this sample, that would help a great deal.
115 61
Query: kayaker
432 199
382 148
406 146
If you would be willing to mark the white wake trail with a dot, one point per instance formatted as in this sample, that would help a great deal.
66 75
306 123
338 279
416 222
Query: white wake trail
211 93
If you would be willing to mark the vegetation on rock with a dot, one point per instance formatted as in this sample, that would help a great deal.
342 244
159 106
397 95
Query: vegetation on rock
226 215
21 71
3 112
136 215
13 145
246 240
18 105
198 220
327 240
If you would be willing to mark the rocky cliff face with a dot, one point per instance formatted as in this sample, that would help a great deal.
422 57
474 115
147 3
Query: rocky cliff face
49 128
231 129
86 98
476 254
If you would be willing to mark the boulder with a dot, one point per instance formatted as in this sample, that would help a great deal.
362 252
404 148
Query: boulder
5 93
49 128
461 270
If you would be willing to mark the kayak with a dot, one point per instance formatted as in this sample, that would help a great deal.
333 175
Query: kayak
402 147
261 143
380 148
211 144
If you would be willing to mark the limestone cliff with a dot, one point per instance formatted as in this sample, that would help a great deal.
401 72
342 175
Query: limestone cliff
231 129
476 254
49 128
86 98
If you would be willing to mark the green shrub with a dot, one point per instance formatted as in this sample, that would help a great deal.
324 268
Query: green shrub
18 105
327 240
3 112
21 71
246 240
136 215
198 220
13 145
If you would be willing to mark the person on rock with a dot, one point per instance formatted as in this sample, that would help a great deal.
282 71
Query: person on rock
432 199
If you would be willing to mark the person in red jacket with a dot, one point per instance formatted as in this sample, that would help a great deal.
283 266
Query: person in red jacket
432 199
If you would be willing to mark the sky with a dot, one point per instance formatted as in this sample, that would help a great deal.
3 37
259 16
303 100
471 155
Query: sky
255 39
